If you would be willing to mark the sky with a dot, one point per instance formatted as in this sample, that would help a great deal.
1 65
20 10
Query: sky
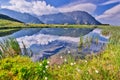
105 11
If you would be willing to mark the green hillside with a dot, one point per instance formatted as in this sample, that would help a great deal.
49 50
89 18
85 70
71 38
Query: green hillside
4 17
6 21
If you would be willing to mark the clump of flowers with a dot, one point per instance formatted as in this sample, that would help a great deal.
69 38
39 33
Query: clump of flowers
41 69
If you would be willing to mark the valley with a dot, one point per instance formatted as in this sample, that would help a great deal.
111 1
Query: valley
61 46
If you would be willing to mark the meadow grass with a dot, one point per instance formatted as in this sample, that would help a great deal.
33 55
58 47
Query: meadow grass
9 48
7 24
102 66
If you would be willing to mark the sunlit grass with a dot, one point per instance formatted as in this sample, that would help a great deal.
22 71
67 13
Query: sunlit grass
22 68
12 24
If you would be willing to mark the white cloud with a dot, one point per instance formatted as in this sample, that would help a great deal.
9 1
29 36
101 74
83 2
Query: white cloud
110 2
111 16
41 8
34 7
88 7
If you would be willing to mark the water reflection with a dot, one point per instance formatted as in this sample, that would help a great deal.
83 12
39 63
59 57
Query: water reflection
49 41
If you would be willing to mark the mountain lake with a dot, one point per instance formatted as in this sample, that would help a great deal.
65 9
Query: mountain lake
45 42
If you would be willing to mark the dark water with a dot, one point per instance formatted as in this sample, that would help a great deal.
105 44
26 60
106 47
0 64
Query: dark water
44 42
73 32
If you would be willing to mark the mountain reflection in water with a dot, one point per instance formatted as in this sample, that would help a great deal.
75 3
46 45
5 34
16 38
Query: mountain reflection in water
44 42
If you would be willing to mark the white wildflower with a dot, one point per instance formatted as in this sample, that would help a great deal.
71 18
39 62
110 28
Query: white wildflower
43 71
40 64
59 67
71 64
69 52
46 66
86 61
78 69
48 62
74 63
65 60
97 71
61 57
46 78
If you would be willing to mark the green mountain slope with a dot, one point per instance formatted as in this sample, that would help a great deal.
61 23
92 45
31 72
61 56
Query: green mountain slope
6 21
4 17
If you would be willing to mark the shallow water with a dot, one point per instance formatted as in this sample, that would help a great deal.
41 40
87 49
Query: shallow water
44 42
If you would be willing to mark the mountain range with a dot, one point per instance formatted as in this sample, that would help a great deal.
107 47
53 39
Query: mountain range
23 17
75 17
